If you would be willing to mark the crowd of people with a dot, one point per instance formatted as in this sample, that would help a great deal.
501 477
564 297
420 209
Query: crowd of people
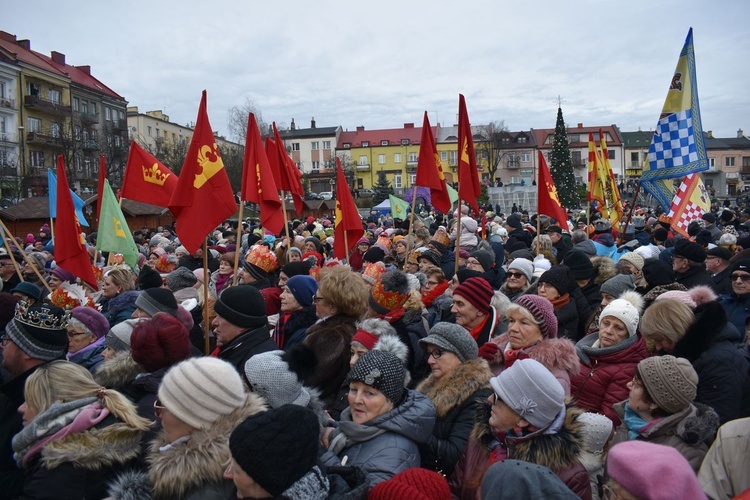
532 358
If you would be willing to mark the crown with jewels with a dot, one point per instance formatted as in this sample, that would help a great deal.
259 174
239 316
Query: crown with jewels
41 316
154 175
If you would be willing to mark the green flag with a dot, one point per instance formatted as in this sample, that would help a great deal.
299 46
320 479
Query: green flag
114 235
452 193
399 208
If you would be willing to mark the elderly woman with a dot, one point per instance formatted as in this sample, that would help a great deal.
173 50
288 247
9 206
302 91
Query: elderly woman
222 277
553 285
77 435
297 311
525 419
457 381
518 279
118 296
608 358
532 333
661 409
57 277
86 330
384 424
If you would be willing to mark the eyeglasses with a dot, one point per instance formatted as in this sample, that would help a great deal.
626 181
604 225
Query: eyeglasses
4 341
158 408
741 277
317 298
473 262
76 334
435 353
433 283
515 275
495 398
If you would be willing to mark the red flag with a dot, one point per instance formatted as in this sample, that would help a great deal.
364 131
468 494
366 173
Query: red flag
203 197
289 174
547 201
147 179
70 244
430 170
100 185
258 185
273 159
348 227
468 176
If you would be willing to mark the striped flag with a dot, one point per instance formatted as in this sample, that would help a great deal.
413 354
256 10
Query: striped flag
690 202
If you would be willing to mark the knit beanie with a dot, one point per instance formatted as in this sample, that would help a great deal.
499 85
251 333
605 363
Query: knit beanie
657 273
39 331
692 298
296 268
27 288
513 221
485 259
383 371
63 274
432 256
653 471
412 484
671 382
530 390
453 338
523 265
465 273
159 342
542 311
148 278
277 447
118 337
514 479
270 376
92 319
557 277
243 306
618 284
581 267
199 391
374 254
40 262
597 430
625 312
521 253
156 300
634 258
180 278
303 288
477 291
390 293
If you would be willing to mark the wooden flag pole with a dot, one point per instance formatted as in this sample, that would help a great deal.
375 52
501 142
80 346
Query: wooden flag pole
286 221
411 219
238 243
346 245
538 227
458 234
7 234
206 280
630 215
52 228
25 258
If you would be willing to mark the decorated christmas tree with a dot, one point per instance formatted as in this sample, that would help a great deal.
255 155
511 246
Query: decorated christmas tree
561 166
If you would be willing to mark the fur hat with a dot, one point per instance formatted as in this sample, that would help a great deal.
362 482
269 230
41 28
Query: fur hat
148 278
671 382
383 371
155 300
627 309
523 265
618 284
689 250
541 265
542 311
692 298
374 254
452 338
243 306
634 258
390 293
477 291
159 342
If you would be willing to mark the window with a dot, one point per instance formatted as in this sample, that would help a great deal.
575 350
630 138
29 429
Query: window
444 156
76 104
77 132
84 107
4 157
712 162
295 146
54 130
93 108
729 161
526 157
33 89
78 163
314 145
122 115
381 159
365 144
523 140
118 141
397 158
404 142
746 161
575 156
34 125
412 179
326 144
2 89
513 160
347 145
36 158
108 114
397 181
453 157
413 157
94 134
149 130
573 138
384 143
363 160
315 165
54 96
505 140
611 153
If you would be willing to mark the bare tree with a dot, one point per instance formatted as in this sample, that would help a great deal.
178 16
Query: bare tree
493 147
237 121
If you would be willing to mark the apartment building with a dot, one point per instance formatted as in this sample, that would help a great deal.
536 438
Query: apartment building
313 150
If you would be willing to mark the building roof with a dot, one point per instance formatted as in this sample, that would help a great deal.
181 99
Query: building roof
20 54
309 132
38 208
639 139
394 136
81 75
450 134
543 134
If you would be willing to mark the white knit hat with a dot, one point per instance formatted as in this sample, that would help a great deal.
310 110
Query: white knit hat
199 391
596 431
623 310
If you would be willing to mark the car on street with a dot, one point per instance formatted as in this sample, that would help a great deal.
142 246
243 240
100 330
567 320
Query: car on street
326 195
366 193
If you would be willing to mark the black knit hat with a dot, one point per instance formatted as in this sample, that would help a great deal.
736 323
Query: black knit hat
513 221
657 272
432 256
242 306
180 278
374 254
383 371
580 265
485 259
148 278
156 300
465 273
296 268
557 276
277 447
255 271
39 331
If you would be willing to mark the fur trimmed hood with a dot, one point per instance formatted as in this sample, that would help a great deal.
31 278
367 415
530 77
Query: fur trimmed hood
554 354
118 372
455 388
201 460
604 268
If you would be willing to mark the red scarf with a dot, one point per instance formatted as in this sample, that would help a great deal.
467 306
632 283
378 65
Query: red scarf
478 329
429 297
560 302
511 355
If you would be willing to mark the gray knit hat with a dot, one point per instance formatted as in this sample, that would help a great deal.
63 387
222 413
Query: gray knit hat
530 390
452 338
180 278
156 300
199 391
383 371
619 284
523 265
270 377
671 382
118 337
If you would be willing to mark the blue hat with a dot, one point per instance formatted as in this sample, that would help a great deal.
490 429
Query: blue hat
303 288
28 289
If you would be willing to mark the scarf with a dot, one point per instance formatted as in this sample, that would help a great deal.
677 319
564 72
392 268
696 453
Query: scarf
477 330
429 297
89 347
221 281
561 302
279 335
511 355
634 423
350 433
57 422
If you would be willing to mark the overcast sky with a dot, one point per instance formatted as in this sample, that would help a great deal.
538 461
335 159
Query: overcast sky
382 64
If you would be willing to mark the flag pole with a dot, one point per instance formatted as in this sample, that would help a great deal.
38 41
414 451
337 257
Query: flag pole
286 220
25 258
6 234
411 219
238 245
206 280
538 227
346 245
630 214
52 228
458 234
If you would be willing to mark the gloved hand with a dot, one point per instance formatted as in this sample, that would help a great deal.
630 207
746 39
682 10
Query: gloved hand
488 351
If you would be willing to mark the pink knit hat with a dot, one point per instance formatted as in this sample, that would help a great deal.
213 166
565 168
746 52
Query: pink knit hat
653 471
541 309
692 298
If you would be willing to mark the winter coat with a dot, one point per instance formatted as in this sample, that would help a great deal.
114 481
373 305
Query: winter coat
245 346
605 373
80 465
455 396
695 276
295 325
495 277
723 281
330 339
90 359
690 431
120 307
567 321
557 355
118 372
416 329
725 471
448 265
396 449
560 452
193 470
737 308
518 235
723 376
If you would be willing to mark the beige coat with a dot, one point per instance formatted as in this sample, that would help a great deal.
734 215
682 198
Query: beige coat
725 472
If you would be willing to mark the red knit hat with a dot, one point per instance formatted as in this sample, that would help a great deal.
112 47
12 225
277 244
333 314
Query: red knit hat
477 291
159 342
412 484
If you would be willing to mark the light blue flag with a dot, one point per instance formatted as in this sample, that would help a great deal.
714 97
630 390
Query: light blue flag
678 147
77 201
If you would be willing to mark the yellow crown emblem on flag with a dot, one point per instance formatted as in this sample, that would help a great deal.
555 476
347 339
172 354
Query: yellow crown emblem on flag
154 175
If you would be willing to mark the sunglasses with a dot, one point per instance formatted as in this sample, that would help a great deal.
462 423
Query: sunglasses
515 275
741 277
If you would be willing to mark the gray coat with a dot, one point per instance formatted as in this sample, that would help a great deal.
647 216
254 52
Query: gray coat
395 450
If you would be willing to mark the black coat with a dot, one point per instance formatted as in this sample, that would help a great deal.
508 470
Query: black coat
723 281
567 321
246 345
695 276
518 236
295 327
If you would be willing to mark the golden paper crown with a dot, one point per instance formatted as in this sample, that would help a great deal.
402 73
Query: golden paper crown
389 300
384 241
154 175
262 257
413 257
165 264
372 272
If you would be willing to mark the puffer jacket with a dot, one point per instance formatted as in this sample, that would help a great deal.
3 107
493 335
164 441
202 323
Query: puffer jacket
560 452
605 373
396 449
557 355
455 396
690 431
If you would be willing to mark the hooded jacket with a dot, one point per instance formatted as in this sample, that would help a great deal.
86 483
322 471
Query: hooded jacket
456 397
605 373
120 307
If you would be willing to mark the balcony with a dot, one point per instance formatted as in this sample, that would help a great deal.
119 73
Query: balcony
36 102
7 103
411 165
89 145
119 124
89 118
7 171
514 164
362 167
40 138
745 169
